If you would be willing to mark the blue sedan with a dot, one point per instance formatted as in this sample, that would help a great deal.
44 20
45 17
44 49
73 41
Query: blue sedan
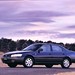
47 54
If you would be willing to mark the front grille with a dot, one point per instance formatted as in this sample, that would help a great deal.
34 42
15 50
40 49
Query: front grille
7 55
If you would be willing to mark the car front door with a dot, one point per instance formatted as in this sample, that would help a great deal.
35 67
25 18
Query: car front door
44 54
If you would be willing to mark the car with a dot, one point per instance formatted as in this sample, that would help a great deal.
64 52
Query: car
47 54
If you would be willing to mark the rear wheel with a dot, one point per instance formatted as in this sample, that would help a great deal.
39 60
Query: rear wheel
49 65
66 63
12 65
28 62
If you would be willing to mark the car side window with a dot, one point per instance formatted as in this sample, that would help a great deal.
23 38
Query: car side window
46 48
56 48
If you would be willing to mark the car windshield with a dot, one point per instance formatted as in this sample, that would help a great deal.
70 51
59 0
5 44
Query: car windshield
33 47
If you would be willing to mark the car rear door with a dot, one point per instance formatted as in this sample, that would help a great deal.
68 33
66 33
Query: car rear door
57 53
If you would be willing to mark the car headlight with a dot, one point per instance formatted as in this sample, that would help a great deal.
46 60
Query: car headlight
16 55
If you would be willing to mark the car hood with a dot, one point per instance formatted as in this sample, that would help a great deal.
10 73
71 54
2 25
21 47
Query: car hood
16 52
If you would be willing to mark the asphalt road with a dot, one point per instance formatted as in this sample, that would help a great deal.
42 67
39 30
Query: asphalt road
34 71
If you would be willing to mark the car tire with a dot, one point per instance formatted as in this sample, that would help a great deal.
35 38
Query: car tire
49 65
12 65
66 63
28 62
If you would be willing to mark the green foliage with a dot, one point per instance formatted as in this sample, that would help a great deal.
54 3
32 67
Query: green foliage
4 44
70 46
10 45
20 44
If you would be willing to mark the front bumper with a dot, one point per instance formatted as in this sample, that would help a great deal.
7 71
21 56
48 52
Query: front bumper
12 60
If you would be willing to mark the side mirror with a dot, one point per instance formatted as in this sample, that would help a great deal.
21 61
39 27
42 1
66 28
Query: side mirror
40 50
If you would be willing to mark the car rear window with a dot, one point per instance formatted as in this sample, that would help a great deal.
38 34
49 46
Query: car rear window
56 48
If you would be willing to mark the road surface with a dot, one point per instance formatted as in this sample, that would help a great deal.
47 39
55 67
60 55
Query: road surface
36 71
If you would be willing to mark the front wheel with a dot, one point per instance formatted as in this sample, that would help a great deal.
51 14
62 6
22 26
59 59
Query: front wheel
12 65
49 65
66 63
28 62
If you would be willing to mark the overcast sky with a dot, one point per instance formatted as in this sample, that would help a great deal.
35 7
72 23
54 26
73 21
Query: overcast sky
38 20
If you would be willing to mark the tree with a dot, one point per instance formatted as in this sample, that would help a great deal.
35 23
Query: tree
12 46
24 45
37 41
29 42
4 44
49 41
20 43
70 46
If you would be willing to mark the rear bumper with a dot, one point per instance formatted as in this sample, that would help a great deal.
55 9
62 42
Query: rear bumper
13 60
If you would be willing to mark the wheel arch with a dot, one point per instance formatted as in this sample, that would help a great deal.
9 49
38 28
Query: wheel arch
30 56
68 58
